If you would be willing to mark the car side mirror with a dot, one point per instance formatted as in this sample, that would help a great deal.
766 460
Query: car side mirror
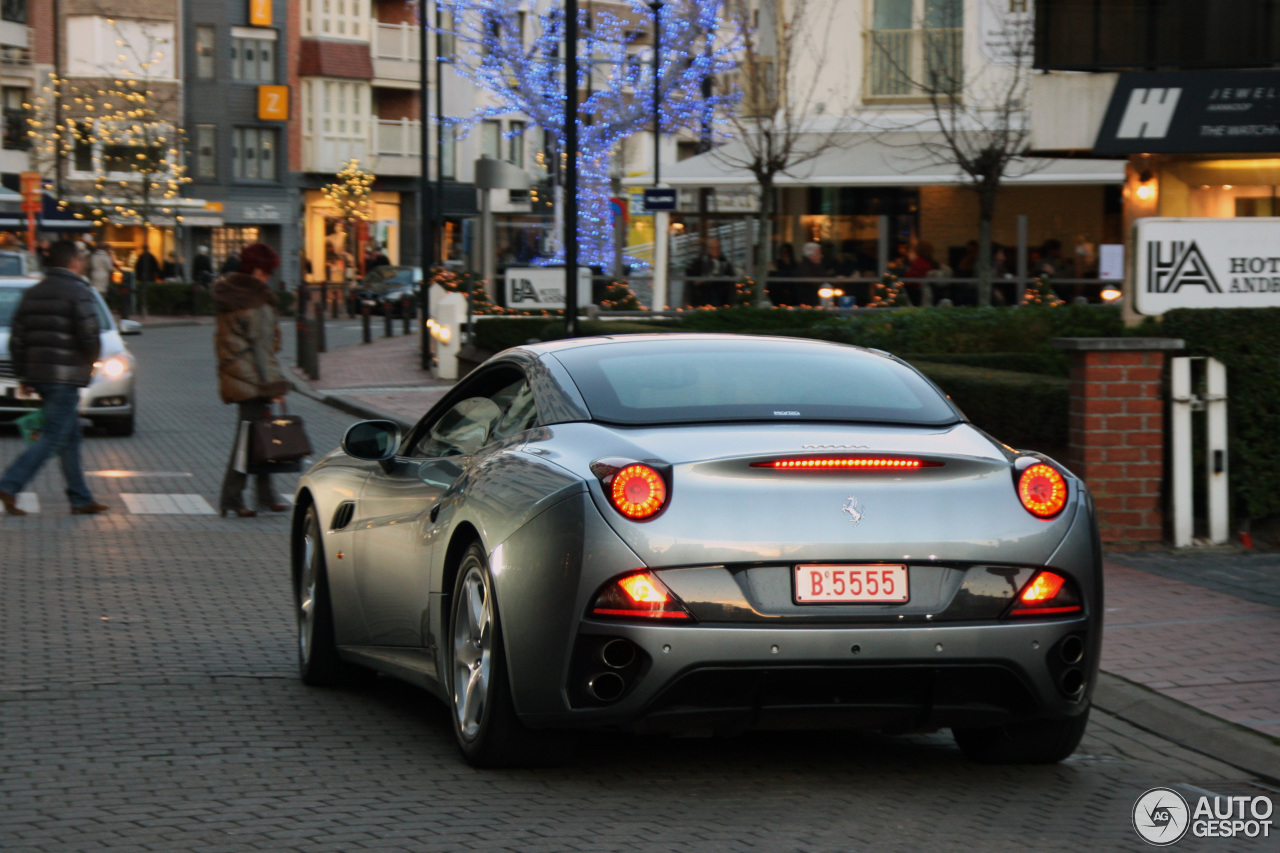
373 441
130 327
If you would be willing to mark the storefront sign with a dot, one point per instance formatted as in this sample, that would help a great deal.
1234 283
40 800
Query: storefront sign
273 103
542 288
1206 263
260 13
1192 112
263 211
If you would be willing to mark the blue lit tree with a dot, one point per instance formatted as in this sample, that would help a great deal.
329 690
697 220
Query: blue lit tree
523 72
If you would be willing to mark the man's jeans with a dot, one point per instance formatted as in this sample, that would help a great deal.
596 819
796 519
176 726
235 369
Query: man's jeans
60 434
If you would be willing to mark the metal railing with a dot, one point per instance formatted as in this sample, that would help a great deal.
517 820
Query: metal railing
397 137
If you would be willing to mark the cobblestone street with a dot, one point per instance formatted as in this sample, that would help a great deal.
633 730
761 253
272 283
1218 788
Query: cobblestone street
149 701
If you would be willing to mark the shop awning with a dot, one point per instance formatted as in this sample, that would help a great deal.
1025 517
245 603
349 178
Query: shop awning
865 159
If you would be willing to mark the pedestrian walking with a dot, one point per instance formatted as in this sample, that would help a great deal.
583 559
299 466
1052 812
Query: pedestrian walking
146 268
231 263
202 267
54 342
101 266
247 340
172 270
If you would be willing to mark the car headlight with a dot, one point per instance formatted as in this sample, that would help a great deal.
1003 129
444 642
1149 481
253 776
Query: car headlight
112 368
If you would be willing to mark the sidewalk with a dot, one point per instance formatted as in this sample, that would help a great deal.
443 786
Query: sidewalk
383 379
1191 645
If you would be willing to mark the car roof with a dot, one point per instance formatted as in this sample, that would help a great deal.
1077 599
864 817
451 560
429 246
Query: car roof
768 343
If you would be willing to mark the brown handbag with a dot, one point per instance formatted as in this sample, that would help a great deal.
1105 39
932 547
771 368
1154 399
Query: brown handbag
278 438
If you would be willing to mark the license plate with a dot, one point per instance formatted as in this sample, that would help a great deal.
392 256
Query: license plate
827 584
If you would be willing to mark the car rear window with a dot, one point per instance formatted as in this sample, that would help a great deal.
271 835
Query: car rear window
9 299
12 265
661 381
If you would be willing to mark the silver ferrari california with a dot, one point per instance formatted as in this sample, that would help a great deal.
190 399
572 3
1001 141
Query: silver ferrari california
703 534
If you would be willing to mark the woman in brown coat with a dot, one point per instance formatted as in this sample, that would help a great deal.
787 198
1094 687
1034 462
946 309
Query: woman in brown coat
247 340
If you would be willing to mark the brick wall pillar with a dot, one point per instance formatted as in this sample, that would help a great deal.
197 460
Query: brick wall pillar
1116 436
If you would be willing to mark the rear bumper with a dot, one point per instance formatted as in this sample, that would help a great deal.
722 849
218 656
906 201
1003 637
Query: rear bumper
724 679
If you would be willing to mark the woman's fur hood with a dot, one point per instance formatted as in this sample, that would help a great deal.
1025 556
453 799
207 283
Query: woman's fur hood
239 291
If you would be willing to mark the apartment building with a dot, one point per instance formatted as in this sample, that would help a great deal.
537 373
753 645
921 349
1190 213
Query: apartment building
237 109
17 82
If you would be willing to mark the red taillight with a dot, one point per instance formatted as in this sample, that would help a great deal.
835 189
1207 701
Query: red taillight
639 594
1046 595
637 491
864 463
1042 490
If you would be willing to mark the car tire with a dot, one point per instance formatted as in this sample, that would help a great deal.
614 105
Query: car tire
485 724
1033 742
318 661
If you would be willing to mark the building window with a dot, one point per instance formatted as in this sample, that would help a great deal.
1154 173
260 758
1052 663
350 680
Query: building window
16 114
253 153
515 143
335 122
336 19
206 151
491 138
914 48
253 59
81 147
205 69
445 40
14 10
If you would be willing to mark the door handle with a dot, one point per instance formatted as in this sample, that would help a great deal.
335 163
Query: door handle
435 512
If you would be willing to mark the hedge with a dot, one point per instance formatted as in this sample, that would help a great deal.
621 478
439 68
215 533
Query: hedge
1024 410
1247 341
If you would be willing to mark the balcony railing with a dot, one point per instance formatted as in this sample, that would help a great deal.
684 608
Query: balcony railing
906 65
396 41
330 153
397 137
15 56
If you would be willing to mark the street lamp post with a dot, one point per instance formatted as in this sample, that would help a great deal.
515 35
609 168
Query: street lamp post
429 205
571 168
660 217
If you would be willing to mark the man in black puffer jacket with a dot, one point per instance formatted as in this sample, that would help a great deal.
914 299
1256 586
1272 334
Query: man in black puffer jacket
54 343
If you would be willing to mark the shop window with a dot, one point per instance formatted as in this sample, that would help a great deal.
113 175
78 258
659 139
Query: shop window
253 59
914 43
224 241
253 153
206 151
205 65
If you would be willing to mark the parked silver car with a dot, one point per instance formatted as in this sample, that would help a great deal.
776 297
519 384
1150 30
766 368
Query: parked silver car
108 401
704 533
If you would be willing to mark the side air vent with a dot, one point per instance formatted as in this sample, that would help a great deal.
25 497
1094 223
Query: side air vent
342 517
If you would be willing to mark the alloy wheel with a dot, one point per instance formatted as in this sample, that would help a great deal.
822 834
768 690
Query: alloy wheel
472 651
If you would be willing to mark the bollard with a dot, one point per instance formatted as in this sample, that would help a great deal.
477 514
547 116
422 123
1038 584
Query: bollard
364 325
320 341
308 358
387 331
404 314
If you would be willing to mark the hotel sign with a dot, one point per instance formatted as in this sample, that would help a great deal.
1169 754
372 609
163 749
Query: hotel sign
1192 112
1206 263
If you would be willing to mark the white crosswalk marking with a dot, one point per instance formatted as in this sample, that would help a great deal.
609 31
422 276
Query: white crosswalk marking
166 504
29 501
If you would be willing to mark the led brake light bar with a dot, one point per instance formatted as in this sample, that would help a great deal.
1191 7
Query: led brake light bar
857 463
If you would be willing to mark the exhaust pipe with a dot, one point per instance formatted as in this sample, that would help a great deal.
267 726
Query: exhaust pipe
606 686
1072 681
1072 650
618 654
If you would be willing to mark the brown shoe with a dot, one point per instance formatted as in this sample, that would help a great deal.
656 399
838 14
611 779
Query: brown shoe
89 509
11 504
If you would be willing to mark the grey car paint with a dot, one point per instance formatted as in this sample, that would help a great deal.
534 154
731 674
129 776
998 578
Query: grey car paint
726 542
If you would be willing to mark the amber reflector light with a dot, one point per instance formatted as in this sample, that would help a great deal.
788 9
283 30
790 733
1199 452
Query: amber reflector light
873 463
1042 490
1048 594
638 491
639 594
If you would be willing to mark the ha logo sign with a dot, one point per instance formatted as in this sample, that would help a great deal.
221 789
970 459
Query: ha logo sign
1206 263
542 288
